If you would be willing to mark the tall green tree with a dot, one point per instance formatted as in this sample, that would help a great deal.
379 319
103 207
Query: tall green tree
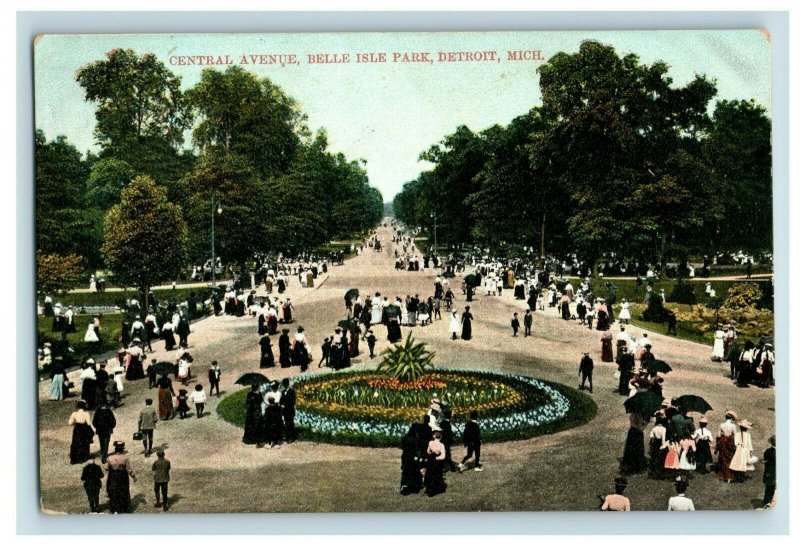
226 186
64 223
738 149
106 181
145 237
242 114
137 97
620 124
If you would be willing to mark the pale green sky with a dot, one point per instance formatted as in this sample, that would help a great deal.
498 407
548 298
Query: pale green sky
388 113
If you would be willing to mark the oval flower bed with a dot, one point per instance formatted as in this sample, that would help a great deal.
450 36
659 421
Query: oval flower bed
366 408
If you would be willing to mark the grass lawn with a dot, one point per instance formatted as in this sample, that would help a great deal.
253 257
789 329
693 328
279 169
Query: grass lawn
114 298
684 331
110 328
626 288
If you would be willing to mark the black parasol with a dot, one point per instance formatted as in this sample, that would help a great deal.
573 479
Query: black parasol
644 403
351 294
162 367
252 378
692 402
658 366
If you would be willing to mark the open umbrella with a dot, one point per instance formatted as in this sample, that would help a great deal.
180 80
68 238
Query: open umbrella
644 403
473 279
393 311
657 366
347 324
252 378
692 402
351 294
161 367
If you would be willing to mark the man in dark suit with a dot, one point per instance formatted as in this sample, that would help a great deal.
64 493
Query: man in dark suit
472 441
585 369
92 478
104 423
528 322
769 473
288 404
214 375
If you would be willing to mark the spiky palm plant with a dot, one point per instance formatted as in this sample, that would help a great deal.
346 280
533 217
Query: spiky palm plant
406 361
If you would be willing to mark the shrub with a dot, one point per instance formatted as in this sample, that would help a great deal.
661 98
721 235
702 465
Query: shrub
741 295
682 292
407 361
655 311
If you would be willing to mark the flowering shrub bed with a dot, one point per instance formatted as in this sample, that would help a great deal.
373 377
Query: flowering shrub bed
365 408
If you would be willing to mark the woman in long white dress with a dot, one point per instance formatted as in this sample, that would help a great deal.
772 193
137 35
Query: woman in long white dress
376 310
718 352
625 313
91 335
455 324
742 461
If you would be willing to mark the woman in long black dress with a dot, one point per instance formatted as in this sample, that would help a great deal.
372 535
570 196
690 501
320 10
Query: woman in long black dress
393 330
466 324
254 421
135 369
262 327
434 473
633 459
273 421
82 434
267 357
410 475
284 345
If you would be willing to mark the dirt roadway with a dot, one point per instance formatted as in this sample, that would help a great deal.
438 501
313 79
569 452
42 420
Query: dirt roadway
214 472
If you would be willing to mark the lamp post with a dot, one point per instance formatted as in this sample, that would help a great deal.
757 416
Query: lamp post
214 205
433 215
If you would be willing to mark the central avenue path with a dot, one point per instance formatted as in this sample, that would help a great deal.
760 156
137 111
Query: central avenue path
213 471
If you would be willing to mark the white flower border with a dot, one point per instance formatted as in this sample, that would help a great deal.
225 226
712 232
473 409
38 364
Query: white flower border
334 426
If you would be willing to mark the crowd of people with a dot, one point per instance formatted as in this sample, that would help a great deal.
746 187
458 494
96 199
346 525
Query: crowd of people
677 449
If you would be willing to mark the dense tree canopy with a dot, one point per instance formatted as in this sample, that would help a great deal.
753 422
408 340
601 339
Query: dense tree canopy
617 159
145 236
279 189
241 114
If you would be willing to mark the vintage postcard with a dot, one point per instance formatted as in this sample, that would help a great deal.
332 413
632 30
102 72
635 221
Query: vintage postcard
405 272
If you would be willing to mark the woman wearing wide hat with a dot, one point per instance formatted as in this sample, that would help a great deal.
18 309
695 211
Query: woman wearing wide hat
118 483
82 433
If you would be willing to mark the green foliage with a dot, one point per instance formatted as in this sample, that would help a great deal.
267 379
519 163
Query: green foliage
241 114
406 361
617 156
136 96
106 181
742 295
144 236
56 273
739 151
655 311
682 292
64 225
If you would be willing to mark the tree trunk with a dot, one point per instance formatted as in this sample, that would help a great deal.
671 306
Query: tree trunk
663 253
145 299
541 243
